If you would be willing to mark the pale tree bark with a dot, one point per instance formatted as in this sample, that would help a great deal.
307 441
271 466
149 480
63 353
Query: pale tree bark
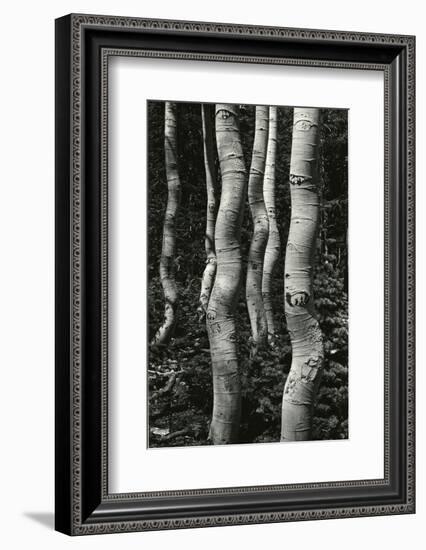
221 328
256 310
272 251
305 334
207 113
168 250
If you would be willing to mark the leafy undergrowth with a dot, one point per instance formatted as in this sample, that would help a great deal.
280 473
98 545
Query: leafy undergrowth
180 385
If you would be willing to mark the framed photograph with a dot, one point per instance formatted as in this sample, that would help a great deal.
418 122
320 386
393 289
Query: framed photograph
234 274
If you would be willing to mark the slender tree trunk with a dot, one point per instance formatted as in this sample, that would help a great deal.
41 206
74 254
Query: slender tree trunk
272 251
256 310
207 113
168 251
221 310
306 337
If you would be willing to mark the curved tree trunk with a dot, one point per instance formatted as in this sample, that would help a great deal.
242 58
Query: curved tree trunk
168 251
207 113
305 334
221 310
272 251
259 215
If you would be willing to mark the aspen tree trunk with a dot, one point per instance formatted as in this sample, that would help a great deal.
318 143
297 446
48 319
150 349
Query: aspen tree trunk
272 251
168 251
207 113
305 334
256 310
221 328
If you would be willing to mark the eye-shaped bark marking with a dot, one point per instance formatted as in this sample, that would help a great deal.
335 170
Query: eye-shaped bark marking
297 299
310 369
231 216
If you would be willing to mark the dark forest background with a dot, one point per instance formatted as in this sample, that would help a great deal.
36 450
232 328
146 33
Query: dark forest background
179 375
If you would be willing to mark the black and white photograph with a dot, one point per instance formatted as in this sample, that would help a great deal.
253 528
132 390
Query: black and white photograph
247 273
209 275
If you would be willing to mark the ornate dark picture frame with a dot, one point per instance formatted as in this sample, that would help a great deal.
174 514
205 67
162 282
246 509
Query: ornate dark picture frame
83 45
